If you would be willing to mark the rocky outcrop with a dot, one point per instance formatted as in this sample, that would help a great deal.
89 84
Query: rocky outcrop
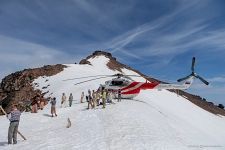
95 54
112 64
17 88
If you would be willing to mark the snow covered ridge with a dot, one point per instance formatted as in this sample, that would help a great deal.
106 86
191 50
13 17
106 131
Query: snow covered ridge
98 63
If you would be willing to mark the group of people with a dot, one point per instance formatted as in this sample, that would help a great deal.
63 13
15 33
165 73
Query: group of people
63 103
94 98
64 100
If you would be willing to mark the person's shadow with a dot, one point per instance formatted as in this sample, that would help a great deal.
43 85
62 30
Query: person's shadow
47 115
3 143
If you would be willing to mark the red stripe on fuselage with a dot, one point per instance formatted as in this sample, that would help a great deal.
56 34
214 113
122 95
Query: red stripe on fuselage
146 86
131 89
130 85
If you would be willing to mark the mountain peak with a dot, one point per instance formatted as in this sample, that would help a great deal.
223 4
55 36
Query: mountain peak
104 53
95 54
113 64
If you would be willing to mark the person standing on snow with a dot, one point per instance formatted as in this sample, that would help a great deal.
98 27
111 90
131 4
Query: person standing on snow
109 97
70 99
119 95
53 106
104 94
93 99
14 118
82 97
90 104
98 97
63 100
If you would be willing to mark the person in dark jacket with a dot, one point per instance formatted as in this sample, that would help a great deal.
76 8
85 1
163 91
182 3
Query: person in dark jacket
90 102
119 95
14 118
70 99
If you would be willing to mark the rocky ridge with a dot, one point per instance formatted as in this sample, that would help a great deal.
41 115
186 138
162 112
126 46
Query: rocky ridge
17 88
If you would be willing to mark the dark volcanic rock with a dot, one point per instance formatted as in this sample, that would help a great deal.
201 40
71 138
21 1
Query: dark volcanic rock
84 61
17 87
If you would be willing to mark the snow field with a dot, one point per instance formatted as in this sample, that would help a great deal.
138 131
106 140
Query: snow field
154 120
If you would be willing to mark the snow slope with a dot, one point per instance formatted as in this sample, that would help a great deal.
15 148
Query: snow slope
154 120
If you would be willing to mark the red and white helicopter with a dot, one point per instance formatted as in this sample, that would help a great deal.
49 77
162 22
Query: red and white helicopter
130 88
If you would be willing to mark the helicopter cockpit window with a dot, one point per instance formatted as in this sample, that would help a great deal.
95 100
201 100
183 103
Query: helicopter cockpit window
117 83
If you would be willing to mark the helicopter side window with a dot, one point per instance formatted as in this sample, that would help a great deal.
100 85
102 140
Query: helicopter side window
116 83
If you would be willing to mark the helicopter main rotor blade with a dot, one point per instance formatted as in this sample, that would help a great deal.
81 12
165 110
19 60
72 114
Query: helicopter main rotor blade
91 80
203 80
182 79
128 77
133 75
87 77
115 75
193 64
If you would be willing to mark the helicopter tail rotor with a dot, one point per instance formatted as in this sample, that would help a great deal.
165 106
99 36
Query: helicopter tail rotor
193 74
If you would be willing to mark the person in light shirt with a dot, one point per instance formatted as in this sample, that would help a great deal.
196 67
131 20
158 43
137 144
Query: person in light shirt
14 118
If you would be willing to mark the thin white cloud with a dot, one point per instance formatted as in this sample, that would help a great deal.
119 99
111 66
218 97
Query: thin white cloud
163 38
22 54
217 79
127 53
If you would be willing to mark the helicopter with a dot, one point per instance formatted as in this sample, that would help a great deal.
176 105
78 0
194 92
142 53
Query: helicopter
131 88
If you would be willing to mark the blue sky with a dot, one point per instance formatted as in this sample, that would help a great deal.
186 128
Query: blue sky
157 37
